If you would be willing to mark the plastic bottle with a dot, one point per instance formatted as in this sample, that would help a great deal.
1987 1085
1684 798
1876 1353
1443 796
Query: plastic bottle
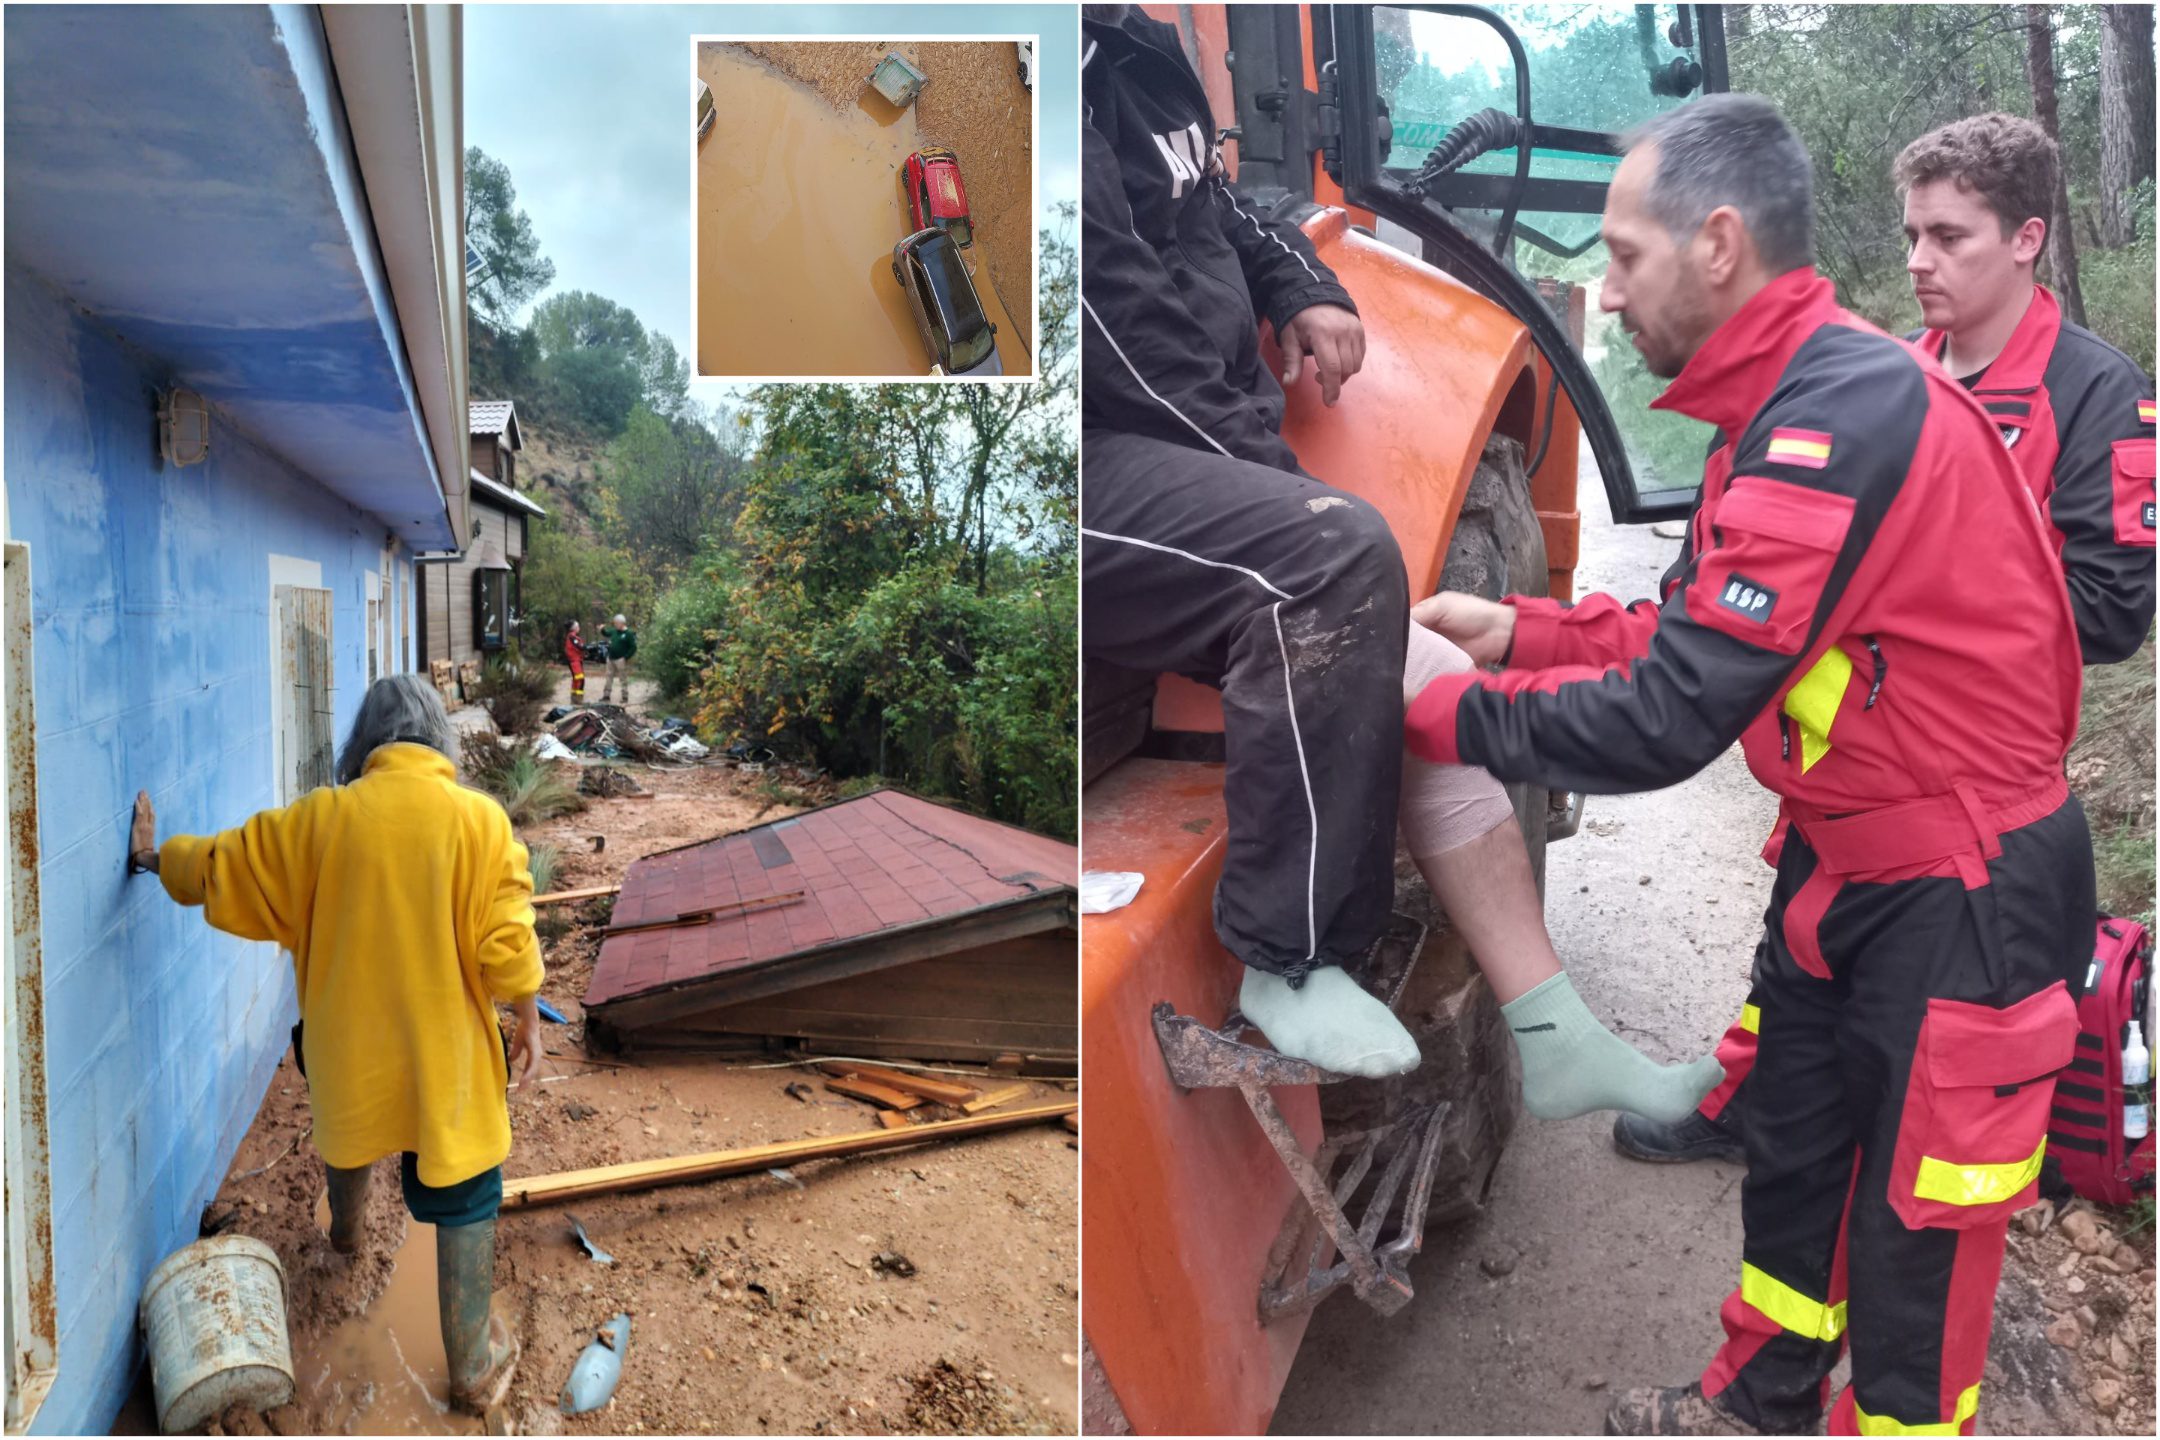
2136 1071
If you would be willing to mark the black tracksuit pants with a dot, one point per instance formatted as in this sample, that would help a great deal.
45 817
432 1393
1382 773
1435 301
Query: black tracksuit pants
1290 597
1910 1034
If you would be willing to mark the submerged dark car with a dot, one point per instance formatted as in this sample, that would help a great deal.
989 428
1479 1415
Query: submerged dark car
959 336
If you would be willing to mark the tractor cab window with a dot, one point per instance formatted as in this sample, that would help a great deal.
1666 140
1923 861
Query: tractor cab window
1449 85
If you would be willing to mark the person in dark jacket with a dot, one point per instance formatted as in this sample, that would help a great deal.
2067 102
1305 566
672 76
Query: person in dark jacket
1868 600
2075 412
1207 550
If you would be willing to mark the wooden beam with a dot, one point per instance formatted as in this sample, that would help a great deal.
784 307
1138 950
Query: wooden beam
709 914
646 1174
995 1098
881 1095
565 897
945 1092
893 1120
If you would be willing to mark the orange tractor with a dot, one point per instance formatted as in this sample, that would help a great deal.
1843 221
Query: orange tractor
1230 1189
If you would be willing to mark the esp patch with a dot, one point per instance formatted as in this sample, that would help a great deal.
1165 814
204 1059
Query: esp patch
2145 412
1747 599
2145 515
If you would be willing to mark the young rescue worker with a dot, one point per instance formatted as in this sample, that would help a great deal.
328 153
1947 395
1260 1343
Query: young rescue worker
2075 412
405 902
1208 551
1869 602
621 645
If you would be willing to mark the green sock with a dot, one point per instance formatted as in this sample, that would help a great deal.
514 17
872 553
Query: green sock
1572 1064
1331 1022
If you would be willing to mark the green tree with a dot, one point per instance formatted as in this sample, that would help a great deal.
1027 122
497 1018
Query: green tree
675 483
568 577
511 269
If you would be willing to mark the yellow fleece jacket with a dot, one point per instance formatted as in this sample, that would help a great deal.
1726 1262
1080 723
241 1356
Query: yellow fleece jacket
406 903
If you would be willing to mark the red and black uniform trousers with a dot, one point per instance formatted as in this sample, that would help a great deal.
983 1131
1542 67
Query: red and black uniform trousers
1911 1027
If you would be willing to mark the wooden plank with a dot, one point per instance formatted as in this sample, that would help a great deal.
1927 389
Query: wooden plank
875 1093
710 913
894 1120
995 1098
1072 1123
645 1174
945 1092
565 897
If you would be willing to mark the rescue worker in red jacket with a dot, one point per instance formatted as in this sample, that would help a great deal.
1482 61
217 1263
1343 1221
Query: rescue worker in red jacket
2075 412
573 647
1868 600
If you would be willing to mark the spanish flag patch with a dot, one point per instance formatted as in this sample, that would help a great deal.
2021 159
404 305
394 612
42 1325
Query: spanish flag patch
2145 412
1807 448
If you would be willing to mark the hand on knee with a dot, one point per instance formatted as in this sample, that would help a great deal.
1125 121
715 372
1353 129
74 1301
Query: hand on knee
1330 1022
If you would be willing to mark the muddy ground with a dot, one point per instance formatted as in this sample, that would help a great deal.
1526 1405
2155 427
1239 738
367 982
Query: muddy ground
975 106
1588 1272
755 1306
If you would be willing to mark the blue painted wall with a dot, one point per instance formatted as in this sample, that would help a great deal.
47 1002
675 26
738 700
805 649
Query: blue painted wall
151 607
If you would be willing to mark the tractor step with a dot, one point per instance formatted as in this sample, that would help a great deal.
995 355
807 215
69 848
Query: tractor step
1319 1248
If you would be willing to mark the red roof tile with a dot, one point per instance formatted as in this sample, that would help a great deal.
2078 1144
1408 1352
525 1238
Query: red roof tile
863 865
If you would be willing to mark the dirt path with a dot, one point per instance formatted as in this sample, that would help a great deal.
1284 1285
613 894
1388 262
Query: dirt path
1589 1272
755 1306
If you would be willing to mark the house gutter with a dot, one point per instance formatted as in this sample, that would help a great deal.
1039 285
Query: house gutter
400 69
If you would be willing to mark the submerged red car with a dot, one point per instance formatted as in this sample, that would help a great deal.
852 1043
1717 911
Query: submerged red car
936 198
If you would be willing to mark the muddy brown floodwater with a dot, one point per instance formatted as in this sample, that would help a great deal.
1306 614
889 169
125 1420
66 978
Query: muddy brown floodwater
799 205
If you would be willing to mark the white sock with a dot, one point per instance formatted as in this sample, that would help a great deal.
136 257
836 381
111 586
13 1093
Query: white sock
1331 1022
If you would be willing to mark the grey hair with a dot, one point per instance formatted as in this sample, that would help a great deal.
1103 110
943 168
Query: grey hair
1733 150
396 707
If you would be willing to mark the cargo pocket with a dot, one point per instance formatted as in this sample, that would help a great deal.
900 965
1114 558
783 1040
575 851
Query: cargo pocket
1976 1109
1776 546
2134 492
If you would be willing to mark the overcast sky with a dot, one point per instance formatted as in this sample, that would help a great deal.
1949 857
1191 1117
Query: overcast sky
586 105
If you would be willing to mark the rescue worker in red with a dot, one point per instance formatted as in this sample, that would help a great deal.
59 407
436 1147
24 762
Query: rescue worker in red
1868 600
2075 412
574 654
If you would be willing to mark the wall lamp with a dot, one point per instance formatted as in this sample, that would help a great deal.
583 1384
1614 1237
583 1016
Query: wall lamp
184 428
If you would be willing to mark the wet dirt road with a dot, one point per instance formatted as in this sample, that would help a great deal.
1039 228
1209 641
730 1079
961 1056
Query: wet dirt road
798 209
1612 1270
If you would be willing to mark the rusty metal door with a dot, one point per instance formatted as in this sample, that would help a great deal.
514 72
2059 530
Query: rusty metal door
307 743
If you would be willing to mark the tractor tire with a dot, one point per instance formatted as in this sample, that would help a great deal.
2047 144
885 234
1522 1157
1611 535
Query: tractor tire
1468 1059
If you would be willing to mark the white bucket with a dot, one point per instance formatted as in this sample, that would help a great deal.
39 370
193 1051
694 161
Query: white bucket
213 1316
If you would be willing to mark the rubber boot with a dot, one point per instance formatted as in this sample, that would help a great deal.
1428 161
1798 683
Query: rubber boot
348 1207
483 1353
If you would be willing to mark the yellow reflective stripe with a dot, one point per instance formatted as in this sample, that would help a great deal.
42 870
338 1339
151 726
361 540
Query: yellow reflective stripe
1792 1310
1968 1406
1814 702
1976 1184
1751 1019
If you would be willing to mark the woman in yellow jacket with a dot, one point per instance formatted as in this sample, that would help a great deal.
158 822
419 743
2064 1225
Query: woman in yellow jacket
406 904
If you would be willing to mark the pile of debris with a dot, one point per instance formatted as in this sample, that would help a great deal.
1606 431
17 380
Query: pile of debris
904 1098
610 732
607 782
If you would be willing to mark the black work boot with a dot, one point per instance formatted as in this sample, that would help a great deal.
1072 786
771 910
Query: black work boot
1672 1410
1694 1138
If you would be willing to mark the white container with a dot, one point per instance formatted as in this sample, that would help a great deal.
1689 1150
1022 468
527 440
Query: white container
213 1318
2136 1071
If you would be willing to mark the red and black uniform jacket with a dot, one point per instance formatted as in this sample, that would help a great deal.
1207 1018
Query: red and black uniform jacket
1177 268
1868 599
2078 416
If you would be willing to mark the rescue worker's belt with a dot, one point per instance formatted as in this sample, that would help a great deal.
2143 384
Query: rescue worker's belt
1957 826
